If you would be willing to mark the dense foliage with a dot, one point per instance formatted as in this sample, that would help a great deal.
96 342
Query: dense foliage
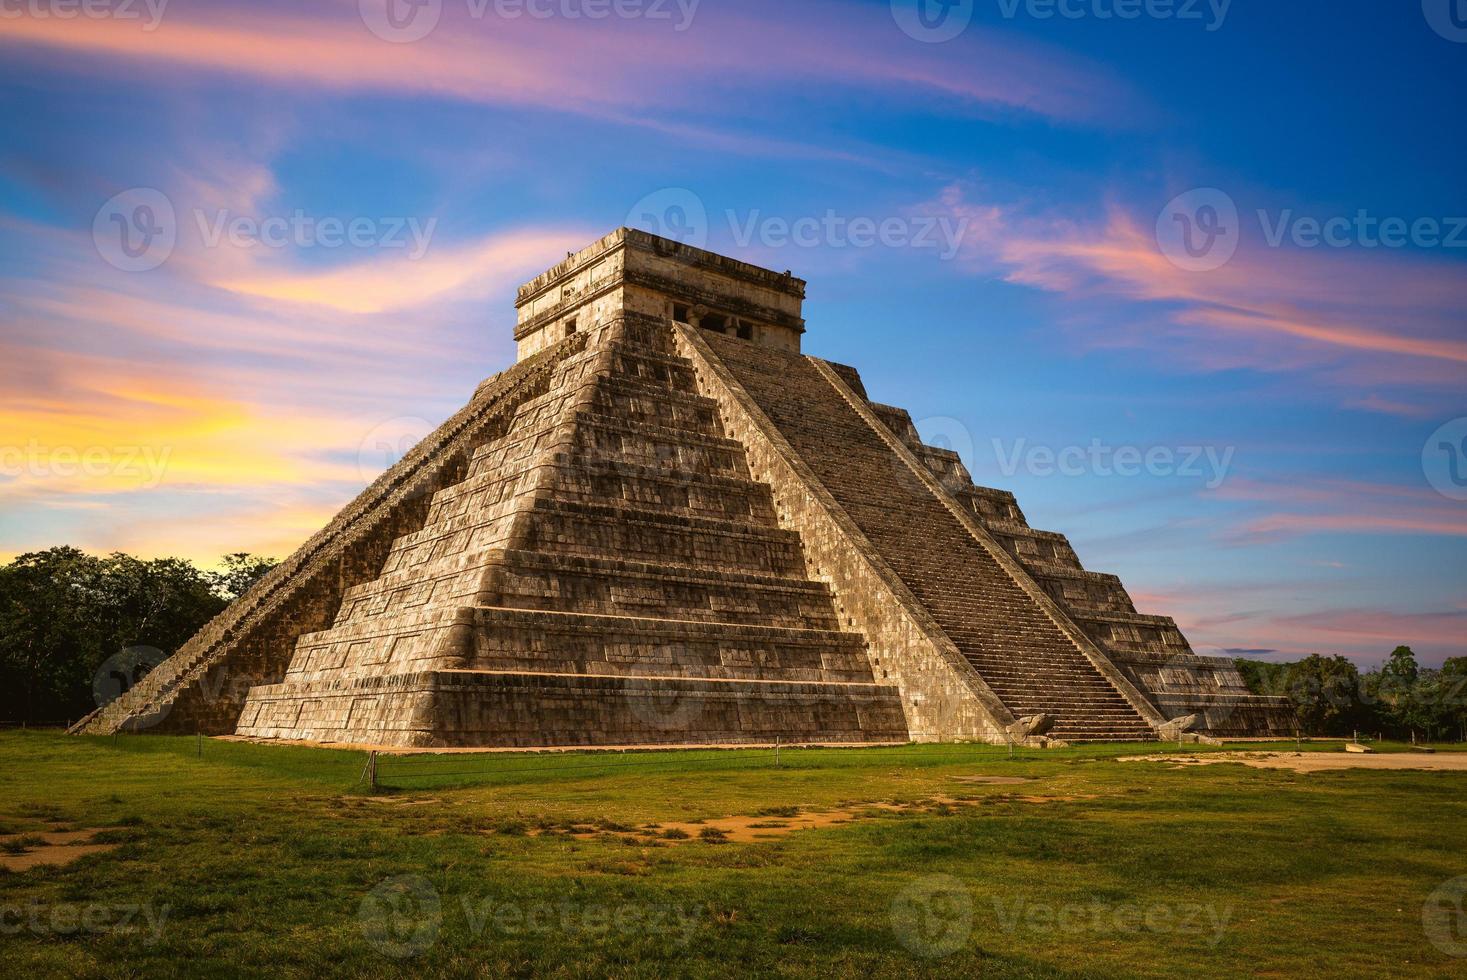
1399 699
64 613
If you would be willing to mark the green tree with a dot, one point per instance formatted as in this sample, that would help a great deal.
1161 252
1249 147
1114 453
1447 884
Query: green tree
1454 694
241 570
1326 691
63 613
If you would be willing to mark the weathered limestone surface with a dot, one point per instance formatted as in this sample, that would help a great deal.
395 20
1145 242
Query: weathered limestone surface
1149 650
666 525
1015 644
606 573
202 687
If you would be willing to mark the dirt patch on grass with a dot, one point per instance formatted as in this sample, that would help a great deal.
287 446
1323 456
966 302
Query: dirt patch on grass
1307 762
21 852
994 780
767 826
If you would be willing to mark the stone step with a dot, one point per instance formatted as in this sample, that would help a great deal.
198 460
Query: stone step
558 642
487 708
617 586
599 436
639 401
566 527
593 479
652 366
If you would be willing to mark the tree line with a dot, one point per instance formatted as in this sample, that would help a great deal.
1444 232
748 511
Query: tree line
64 613
1399 699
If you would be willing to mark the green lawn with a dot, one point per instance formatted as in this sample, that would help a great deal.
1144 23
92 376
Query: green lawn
262 859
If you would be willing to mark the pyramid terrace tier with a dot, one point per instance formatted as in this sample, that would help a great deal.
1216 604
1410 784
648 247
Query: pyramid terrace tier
468 708
616 586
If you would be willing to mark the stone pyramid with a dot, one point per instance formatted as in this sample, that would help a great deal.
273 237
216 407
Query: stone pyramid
665 525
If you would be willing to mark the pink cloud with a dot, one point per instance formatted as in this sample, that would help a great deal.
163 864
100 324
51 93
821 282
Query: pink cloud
1348 318
605 66
1312 505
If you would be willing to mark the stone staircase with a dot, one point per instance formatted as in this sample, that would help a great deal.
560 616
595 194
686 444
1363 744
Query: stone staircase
1018 649
607 572
1150 650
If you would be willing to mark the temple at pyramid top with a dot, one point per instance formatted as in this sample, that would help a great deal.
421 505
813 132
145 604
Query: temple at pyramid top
635 271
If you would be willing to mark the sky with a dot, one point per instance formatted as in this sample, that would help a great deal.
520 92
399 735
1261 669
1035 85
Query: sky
1188 276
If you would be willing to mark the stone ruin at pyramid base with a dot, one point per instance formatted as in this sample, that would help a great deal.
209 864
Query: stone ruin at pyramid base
667 525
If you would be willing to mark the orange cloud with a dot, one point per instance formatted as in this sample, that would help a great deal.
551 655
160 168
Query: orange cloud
396 282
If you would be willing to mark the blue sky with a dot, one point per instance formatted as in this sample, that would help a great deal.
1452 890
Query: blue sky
234 394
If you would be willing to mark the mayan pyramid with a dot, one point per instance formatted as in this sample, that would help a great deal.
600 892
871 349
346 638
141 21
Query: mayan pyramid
666 525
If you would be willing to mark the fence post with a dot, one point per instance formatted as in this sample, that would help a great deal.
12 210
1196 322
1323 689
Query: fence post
776 751
369 772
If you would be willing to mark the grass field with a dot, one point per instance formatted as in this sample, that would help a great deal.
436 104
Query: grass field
262 859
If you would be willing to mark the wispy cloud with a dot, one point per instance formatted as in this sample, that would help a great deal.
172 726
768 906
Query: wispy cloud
1304 506
611 65
1381 320
401 281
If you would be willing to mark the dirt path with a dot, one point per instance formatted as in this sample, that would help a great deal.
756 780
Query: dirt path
1319 761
